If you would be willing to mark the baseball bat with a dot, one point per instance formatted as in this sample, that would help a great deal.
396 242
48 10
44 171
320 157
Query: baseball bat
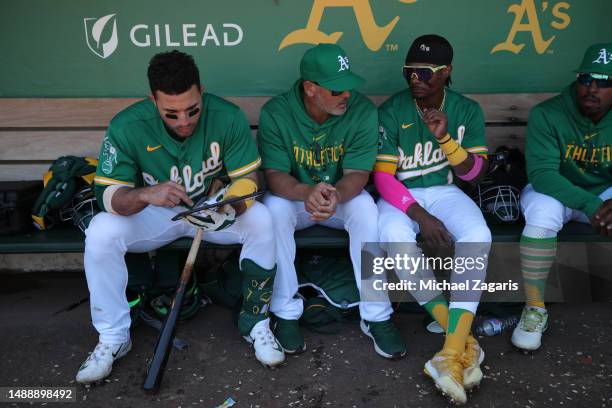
157 365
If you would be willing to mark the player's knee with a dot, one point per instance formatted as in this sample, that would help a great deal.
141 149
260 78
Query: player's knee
105 230
258 223
542 210
281 208
477 233
390 232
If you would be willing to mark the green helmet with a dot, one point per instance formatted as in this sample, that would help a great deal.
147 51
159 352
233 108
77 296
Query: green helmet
191 302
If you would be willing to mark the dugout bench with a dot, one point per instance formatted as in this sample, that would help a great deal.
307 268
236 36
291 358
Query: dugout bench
35 132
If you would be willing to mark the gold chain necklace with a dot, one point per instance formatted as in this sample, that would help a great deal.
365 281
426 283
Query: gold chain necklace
420 112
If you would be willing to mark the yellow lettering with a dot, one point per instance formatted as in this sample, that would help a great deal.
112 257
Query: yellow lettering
309 159
564 17
594 154
568 150
577 153
533 26
296 152
608 154
373 35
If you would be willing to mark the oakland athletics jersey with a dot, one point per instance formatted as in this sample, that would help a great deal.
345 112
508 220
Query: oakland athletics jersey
568 156
291 141
406 142
138 150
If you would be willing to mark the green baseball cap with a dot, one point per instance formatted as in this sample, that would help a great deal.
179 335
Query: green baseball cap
597 59
328 65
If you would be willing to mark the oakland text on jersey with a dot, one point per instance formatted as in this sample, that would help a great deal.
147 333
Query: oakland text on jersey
424 155
194 183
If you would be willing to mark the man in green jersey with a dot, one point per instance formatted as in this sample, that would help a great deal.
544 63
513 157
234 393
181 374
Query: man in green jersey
569 153
158 156
318 145
430 135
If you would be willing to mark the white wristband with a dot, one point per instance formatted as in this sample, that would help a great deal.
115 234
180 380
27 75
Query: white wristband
107 197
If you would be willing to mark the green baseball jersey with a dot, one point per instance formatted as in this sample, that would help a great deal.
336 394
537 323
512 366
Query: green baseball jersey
138 150
292 142
569 156
406 142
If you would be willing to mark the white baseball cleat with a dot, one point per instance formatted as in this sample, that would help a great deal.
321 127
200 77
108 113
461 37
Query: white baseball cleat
268 350
527 334
99 364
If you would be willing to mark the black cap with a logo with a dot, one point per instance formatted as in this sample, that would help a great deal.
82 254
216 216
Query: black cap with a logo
430 49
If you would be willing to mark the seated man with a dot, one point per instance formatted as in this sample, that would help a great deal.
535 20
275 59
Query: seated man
569 166
429 134
159 154
318 145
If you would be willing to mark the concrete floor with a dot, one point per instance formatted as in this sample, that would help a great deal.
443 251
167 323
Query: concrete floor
572 369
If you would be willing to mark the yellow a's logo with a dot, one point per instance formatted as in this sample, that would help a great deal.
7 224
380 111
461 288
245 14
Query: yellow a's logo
528 8
373 35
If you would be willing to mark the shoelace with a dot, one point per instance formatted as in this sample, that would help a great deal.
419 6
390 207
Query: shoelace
470 356
99 351
450 361
265 336
532 320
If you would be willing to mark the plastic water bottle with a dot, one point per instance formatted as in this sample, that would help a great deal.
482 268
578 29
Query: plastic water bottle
493 326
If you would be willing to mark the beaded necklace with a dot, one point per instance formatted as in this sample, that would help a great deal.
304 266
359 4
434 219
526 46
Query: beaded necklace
420 112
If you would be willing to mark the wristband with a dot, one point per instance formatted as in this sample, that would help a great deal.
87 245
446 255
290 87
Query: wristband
453 151
242 187
475 171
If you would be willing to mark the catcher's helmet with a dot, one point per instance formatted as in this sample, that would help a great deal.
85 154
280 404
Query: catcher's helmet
81 208
498 193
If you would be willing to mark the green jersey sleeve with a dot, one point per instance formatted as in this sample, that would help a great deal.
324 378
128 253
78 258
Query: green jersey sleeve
474 139
388 140
241 156
543 156
115 167
271 147
360 151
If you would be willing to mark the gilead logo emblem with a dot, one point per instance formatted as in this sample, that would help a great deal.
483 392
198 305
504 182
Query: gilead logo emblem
373 35
101 35
102 39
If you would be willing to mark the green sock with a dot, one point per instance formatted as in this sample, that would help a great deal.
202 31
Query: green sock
438 310
256 292
537 256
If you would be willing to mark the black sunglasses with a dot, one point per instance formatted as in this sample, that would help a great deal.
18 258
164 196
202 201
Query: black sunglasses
601 80
333 93
421 73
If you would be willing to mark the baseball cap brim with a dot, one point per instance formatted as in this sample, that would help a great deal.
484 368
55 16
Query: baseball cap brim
347 82
590 70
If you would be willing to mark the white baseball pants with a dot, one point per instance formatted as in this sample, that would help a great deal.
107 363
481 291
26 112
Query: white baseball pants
110 236
357 216
543 211
461 217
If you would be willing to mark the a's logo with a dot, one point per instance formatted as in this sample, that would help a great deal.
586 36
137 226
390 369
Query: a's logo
406 125
152 149
373 35
109 153
424 48
344 65
604 57
101 35
532 25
